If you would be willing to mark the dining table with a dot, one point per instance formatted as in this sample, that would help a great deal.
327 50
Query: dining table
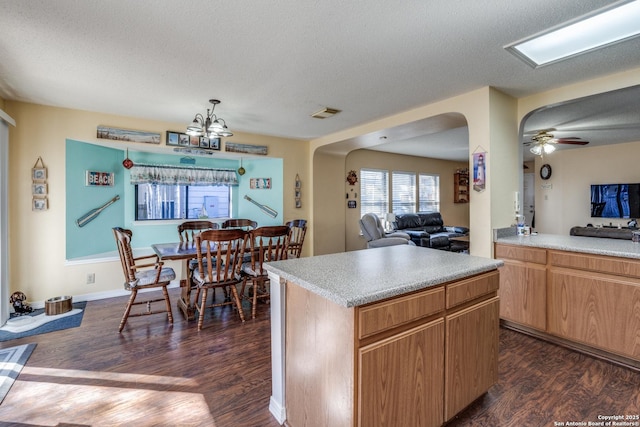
185 252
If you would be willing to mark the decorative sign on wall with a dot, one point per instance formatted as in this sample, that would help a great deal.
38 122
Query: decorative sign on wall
99 179
232 147
296 192
260 183
479 165
39 188
105 132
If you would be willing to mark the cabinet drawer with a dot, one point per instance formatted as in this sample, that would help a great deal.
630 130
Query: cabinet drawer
470 289
520 253
389 314
626 267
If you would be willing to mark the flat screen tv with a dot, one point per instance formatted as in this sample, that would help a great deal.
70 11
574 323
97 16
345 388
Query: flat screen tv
615 201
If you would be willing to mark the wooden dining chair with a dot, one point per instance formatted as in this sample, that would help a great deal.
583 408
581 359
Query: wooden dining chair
245 224
138 275
269 243
220 254
297 231
188 229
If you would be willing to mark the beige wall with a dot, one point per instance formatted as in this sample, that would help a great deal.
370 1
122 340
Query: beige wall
565 199
562 202
452 213
490 117
37 239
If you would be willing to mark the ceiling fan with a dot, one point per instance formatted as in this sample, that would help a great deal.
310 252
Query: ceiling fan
543 142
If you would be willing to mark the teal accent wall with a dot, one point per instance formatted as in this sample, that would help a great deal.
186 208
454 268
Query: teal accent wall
263 168
96 237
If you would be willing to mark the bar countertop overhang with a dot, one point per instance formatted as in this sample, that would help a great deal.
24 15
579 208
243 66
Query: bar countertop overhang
360 277
588 245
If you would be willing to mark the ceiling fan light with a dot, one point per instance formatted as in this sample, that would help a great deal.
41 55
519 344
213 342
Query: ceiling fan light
548 148
536 149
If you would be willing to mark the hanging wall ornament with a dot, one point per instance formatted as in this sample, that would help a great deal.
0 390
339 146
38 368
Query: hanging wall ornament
127 163
241 170
352 177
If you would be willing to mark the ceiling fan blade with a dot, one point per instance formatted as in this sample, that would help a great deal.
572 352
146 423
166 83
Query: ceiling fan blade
573 142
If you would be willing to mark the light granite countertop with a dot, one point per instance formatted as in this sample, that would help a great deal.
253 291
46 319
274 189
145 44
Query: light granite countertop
588 245
360 277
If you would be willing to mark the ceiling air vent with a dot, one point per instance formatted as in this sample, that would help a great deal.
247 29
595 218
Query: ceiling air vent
325 113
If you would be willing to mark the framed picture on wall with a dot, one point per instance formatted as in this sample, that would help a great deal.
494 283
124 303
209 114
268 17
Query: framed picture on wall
214 143
39 204
39 174
173 138
39 189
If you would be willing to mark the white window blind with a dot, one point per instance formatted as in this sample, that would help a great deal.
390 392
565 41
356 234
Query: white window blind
403 192
374 192
429 199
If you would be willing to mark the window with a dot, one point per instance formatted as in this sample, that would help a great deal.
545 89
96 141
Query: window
374 192
374 186
158 201
403 192
429 199
174 192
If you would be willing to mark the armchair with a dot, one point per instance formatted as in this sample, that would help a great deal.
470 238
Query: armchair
374 233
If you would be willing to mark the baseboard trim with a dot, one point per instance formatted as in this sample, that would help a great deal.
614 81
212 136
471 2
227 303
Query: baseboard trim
581 348
103 295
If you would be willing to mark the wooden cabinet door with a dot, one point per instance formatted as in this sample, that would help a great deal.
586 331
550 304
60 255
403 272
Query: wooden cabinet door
595 309
472 345
523 293
401 379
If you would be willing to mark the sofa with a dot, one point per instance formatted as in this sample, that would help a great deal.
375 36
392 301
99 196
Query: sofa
427 229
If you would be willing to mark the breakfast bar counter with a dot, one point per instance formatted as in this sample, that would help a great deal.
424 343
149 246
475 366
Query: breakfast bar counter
587 245
393 324
576 291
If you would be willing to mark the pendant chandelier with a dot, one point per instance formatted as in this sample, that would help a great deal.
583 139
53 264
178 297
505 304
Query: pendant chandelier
210 125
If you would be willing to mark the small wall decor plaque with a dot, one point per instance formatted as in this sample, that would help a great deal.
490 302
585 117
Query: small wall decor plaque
296 192
99 179
260 183
39 188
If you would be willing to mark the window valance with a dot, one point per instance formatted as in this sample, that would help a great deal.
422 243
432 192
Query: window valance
179 175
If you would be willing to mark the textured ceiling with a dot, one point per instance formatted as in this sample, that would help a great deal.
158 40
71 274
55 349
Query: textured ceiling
274 63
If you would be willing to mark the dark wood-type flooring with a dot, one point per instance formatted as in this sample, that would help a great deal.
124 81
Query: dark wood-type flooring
154 374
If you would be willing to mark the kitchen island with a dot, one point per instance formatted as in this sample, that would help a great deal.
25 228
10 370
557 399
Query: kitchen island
580 292
400 335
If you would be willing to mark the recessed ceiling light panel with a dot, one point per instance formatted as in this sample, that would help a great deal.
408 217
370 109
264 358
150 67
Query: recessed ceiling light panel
602 28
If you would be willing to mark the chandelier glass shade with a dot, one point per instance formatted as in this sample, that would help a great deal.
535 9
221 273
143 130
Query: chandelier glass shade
210 125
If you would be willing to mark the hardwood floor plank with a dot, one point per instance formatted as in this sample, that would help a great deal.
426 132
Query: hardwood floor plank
156 374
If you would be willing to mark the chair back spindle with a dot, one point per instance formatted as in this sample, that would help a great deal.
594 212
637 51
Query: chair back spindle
187 230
